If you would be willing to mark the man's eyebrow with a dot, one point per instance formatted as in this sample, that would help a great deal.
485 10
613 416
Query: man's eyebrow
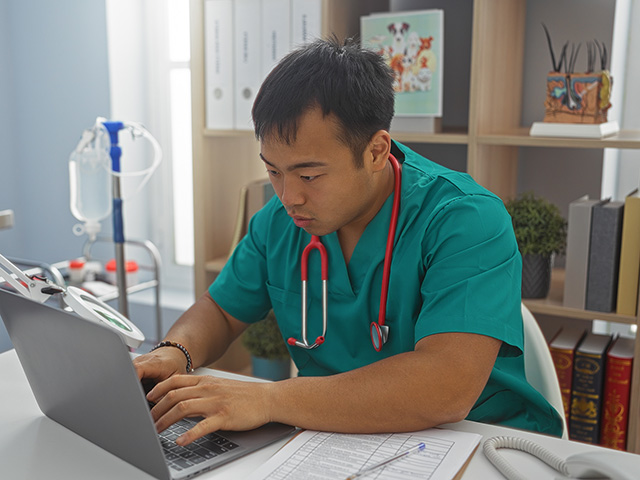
296 166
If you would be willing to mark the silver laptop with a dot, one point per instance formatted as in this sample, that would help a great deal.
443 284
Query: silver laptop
82 377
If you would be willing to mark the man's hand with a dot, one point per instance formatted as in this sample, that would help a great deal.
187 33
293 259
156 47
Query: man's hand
160 364
224 404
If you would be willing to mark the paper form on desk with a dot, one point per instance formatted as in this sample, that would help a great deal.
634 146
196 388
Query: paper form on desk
322 455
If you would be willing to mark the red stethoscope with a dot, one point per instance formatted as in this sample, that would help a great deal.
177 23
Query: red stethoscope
379 331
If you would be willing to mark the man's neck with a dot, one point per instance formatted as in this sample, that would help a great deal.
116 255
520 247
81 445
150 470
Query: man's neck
349 235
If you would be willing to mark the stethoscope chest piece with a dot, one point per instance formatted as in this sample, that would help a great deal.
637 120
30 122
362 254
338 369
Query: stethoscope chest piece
379 335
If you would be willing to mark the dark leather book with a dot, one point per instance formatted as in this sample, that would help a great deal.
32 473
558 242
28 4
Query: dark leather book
587 386
563 350
604 256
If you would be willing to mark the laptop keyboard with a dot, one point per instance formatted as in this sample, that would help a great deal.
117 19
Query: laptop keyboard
180 458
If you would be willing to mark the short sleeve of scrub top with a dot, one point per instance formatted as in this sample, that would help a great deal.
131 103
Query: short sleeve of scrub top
455 268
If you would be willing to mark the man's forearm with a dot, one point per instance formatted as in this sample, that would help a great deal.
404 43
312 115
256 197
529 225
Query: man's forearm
437 383
406 392
205 331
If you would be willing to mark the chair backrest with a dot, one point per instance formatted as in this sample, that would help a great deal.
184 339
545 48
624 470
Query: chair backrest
538 365
253 196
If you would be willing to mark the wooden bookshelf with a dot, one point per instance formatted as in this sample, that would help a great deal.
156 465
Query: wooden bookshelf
226 160
520 137
552 305
243 134
452 136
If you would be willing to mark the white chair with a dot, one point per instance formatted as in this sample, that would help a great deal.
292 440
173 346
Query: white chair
538 365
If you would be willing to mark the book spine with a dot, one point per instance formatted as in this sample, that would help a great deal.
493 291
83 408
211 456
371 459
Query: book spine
615 412
247 55
604 257
563 361
276 33
629 258
586 397
578 238
306 21
218 47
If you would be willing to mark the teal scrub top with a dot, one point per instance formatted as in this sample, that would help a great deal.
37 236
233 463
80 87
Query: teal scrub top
455 268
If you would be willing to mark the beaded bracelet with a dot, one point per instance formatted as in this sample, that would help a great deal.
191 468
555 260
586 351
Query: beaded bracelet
167 343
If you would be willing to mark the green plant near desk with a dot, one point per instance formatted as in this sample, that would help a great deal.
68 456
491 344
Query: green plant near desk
270 357
541 232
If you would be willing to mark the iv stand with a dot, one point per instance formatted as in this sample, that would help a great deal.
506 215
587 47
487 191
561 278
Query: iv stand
118 225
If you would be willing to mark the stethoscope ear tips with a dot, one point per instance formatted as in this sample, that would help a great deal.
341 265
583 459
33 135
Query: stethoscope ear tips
379 335
291 341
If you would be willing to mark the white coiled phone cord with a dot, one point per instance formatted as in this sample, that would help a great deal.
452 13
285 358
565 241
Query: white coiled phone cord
492 445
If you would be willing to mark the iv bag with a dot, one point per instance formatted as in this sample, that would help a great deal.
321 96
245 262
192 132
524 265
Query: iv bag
90 178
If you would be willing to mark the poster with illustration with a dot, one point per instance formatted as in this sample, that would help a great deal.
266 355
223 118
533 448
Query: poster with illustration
412 45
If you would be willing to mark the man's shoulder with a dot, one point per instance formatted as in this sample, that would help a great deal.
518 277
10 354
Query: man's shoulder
431 182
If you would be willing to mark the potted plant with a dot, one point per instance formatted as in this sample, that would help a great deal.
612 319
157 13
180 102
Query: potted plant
269 355
541 232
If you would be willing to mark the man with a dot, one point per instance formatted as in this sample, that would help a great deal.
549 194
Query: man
455 343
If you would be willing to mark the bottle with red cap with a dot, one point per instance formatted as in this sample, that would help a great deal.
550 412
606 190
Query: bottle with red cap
76 271
131 267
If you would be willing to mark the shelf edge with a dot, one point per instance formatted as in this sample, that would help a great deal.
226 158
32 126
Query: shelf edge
628 139
542 307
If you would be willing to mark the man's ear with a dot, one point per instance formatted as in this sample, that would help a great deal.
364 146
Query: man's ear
379 149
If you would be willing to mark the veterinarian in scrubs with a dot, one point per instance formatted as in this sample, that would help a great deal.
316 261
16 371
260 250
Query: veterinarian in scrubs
455 342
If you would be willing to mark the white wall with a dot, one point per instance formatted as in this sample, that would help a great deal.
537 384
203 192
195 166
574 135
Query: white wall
8 163
8 170
54 59
129 88
629 160
53 84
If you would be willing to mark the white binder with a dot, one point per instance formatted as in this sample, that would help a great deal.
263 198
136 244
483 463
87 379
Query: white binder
276 32
218 53
248 53
306 21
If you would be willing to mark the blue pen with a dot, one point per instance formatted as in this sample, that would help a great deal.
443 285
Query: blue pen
386 462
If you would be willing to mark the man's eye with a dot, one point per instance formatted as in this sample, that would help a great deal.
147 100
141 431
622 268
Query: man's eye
308 178
273 173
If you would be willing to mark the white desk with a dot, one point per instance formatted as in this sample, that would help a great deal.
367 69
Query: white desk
33 447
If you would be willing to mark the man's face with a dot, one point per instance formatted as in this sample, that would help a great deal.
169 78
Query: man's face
316 178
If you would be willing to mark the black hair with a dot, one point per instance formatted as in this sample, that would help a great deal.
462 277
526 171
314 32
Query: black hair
351 83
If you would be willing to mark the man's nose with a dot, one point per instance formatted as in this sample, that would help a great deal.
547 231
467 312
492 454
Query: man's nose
291 193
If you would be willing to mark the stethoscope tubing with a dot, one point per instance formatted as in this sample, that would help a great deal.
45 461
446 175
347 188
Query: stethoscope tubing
315 243
393 225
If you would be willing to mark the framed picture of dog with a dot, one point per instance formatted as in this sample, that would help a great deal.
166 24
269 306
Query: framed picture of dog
411 42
